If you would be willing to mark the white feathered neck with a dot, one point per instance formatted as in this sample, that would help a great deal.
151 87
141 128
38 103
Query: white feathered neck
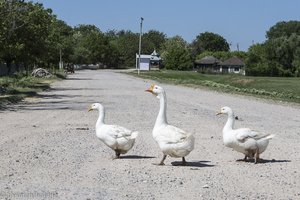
230 122
162 115
100 120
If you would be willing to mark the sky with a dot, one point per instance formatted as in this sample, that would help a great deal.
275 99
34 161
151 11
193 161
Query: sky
241 22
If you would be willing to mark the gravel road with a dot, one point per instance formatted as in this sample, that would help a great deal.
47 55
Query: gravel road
49 149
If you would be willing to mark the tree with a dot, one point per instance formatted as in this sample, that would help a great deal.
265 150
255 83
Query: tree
23 31
176 55
209 42
128 45
90 44
60 40
296 62
257 62
283 29
12 15
152 40
283 50
279 54
111 56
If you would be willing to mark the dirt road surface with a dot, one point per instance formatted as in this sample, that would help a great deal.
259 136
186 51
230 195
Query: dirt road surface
49 149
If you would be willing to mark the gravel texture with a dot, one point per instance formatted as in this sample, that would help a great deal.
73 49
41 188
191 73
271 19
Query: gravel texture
49 149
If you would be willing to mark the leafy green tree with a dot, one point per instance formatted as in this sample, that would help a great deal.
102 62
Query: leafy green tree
60 40
12 15
152 40
90 44
283 50
257 62
296 62
283 29
279 54
35 33
23 31
176 55
208 41
128 45
112 54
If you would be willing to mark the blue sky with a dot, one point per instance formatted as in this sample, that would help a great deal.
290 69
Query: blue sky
240 22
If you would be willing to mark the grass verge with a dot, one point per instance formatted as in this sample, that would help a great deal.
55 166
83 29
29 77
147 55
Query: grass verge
15 88
277 88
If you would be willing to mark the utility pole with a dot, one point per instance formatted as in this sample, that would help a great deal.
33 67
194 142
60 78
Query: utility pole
140 44
60 60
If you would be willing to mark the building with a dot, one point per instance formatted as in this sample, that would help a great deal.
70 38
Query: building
207 64
211 64
233 65
149 62
155 60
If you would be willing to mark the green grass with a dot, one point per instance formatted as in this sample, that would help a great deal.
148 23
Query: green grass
17 87
279 88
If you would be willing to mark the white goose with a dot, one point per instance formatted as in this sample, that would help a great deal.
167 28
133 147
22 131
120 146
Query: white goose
171 140
118 138
243 140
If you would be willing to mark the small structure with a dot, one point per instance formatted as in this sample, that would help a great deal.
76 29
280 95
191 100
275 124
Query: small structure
41 73
213 65
233 65
155 60
144 63
208 63
148 62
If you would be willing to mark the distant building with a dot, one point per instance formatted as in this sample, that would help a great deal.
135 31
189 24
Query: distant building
211 64
149 62
155 60
208 63
233 65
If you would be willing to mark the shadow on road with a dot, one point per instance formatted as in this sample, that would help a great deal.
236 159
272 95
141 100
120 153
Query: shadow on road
201 163
135 157
262 161
84 79
274 161
65 88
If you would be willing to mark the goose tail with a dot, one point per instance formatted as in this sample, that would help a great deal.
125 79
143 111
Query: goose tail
269 136
134 134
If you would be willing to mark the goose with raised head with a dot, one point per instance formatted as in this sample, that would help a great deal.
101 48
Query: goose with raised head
118 138
243 140
171 140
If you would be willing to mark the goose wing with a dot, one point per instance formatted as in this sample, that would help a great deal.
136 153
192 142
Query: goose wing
116 132
171 134
246 133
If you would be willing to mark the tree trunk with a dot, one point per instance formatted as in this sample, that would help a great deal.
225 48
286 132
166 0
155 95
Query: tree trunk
8 65
26 68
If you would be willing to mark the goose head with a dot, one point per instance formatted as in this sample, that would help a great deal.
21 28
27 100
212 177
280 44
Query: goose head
95 106
155 90
225 110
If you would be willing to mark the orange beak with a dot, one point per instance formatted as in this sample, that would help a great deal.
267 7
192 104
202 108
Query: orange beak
219 113
150 89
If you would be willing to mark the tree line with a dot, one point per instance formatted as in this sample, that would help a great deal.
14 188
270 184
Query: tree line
279 55
32 36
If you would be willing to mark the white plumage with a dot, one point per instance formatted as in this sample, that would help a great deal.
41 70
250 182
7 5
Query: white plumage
118 138
171 140
243 140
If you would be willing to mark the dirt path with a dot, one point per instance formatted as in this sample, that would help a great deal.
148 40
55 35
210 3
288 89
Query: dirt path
49 149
